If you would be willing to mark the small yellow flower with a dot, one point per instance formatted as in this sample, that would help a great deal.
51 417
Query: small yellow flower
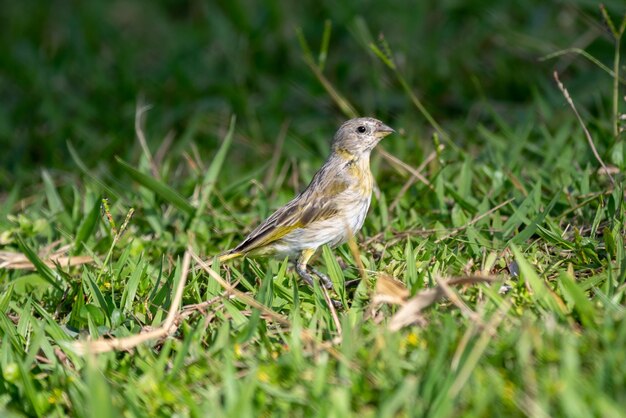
508 392
55 396
263 376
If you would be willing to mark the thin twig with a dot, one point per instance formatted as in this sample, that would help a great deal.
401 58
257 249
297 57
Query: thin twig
398 235
354 249
333 312
164 148
456 300
411 309
230 289
396 161
412 180
582 124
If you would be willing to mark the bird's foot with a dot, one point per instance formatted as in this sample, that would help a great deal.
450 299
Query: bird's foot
326 282
336 303
305 275
352 283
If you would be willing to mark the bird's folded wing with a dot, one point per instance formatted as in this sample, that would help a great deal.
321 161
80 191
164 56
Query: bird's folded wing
305 209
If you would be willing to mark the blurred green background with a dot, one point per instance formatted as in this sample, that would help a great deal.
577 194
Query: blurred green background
75 70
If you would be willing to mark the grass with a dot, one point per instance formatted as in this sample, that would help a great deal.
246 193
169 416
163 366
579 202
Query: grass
511 190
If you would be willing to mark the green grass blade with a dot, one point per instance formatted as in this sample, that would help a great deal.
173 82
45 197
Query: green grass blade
87 226
83 168
55 203
158 187
44 271
130 290
520 214
541 292
99 393
212 174
334 272
577 297
54 200
536 222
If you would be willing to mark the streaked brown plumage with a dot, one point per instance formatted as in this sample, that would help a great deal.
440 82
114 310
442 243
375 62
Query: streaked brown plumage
330 210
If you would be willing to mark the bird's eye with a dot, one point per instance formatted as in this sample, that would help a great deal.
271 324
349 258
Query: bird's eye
361 129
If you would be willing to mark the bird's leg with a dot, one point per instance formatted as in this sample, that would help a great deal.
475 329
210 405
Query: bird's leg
328 284
301 266
301 269
352 283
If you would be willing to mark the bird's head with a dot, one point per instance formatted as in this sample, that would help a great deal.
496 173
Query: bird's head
359 135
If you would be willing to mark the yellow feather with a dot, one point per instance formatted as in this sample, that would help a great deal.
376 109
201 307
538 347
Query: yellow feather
277 233
227 257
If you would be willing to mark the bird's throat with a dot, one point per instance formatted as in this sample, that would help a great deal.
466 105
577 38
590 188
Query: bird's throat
346 155
358 168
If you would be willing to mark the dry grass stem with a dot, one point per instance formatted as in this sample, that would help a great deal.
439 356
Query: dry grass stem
356 253
17 261
333 311
267 313
412 180
392 291
582 124
395 161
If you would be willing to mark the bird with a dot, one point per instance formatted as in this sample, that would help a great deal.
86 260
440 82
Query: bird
329 211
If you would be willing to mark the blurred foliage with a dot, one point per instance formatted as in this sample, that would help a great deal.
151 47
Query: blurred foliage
74 70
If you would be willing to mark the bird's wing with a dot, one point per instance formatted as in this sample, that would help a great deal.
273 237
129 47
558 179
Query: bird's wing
317 202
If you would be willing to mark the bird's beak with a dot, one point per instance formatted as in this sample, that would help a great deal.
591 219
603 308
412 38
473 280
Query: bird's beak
382 131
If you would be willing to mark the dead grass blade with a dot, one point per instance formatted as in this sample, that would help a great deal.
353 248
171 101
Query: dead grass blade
413 179
354 249
569 100
11 260
395 161
389 290
486 335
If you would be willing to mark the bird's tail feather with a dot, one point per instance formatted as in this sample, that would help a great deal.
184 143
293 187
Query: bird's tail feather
229 256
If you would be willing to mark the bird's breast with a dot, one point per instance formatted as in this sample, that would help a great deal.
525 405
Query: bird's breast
361 176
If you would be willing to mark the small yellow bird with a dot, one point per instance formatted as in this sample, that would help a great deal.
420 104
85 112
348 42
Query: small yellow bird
329 211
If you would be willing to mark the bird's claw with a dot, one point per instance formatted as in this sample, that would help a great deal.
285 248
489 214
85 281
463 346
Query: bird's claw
352 283
326 282
323 279
336 303
305 275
